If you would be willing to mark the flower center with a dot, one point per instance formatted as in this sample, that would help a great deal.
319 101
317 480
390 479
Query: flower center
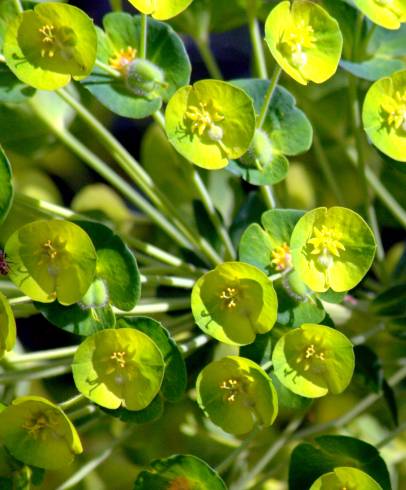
310 354
326 241
123 58
37 423
229 297
281 257
48 39
395 110
119 358
232 389
180 483
203 118
296 40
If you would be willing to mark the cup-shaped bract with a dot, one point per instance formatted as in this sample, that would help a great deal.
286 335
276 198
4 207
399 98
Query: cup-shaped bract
119 368
236 394
345 477
304 40
386 13
161 9
179 472
384 115
314 360
234 302
38 433
51 259
210 122
332 248
48 46
7 326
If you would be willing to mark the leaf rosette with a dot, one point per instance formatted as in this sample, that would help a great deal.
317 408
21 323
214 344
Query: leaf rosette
38 433
384 115
314 360
236 394
179 472
161 9
343 477
119 368
234 302
389 14
51 259
7 326
332 248
304 40
48 46
210 122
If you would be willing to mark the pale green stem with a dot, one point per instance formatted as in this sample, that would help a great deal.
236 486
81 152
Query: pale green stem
231 458
40 372
268 96
246 479
267 196
143 36
20 300
141 178
47 207
150 306
108 69
349 416
175 282
72 402
389 438
363 337
189 347
256 41
230 253
203 45
82 412
44 355
18 6
165 270
116 5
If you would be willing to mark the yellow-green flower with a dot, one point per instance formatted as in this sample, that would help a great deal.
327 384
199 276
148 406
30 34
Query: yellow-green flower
386 13
305 40
345 478
161 9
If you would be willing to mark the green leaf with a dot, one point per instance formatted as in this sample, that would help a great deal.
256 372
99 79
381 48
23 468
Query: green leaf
8 11
164 49
11 89
374 68
6 186
388 43
174 382
308 461
178 472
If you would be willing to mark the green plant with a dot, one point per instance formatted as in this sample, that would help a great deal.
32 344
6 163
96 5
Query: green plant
238 290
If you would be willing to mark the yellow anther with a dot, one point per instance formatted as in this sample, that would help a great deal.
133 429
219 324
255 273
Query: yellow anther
281 257
326 240
119 357
230 296
232 388
203 117
296 39
50 250
395 109
37 423
49 39
123 58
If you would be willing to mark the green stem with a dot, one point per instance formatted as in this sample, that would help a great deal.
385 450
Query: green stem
46 207
20 300
39 372
116 5
150 306
364 336
246 478
72 402
80 413
230 253
108 69
175 282
256 41
324 164
142 179
189 347
267 196
268 96
18 6
203 45
143 36
389 438
44 355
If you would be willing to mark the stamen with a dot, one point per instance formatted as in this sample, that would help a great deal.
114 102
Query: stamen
326 241
203 118
230 295
232 388
281 257
119 357
123 58
49 39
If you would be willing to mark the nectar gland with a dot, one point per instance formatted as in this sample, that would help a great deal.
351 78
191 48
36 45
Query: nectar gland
204 118
232 389
281 257
49 40
229 297
123 58
326 243
395 109
296 39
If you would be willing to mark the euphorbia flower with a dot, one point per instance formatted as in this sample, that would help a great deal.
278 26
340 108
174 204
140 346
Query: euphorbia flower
386 13
161 9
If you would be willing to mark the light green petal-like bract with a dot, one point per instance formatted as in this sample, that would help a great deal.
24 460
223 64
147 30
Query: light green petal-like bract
389 14
161 9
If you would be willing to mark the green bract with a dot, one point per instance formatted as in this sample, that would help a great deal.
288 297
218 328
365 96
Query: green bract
234 302
47 46
7 326
6 186
51 260
210 122
119 367
179 472
235 393
305 40
144 83
332 248
384 115
386 13
38 433
161 9
314 360
348 478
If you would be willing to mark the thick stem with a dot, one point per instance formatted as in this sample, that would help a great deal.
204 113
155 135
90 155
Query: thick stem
203 45
175 282
73 402
18 5
143 36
